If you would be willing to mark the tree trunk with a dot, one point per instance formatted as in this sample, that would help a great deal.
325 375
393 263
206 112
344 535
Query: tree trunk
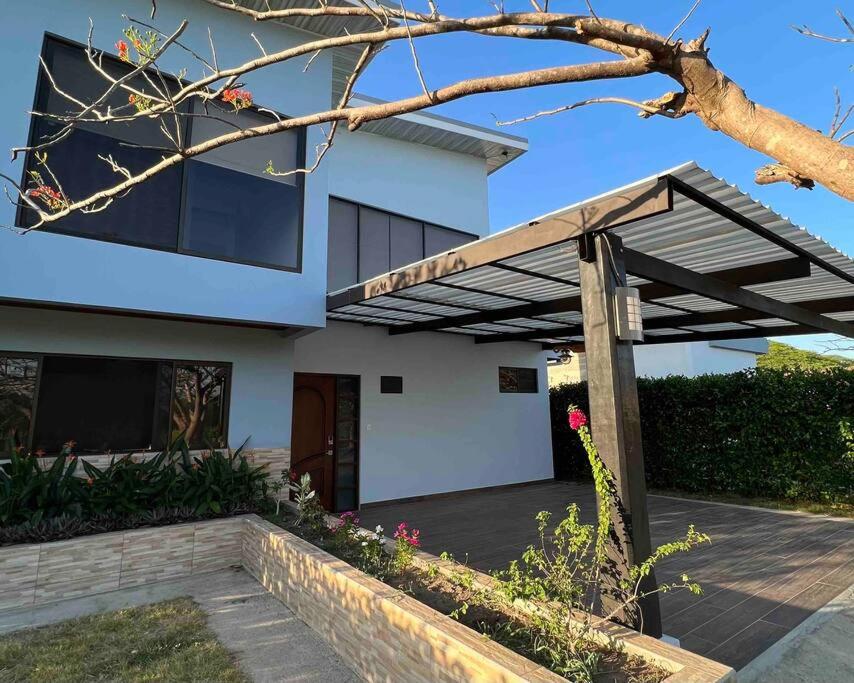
722 105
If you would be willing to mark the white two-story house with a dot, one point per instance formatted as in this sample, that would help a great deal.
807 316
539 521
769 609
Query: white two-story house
219 301
197 303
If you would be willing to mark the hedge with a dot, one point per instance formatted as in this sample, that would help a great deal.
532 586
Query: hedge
778 433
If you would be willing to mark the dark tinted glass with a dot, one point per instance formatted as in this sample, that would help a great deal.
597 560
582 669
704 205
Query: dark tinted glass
147 215
517 380
407 241
102 404
342 264
373 243
346 443
199 405
390 384
17 389
242 217
437 240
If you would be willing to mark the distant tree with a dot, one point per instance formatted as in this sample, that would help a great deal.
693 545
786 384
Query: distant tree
781 356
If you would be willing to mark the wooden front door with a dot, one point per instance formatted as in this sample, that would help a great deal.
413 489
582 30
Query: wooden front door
313 433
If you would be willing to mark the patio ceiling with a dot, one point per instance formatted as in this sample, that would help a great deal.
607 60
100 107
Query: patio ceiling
710 263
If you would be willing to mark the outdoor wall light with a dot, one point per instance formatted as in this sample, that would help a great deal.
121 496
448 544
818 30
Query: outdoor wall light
628 314
564 354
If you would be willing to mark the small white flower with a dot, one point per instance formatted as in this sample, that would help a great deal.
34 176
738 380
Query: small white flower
379 529
364 543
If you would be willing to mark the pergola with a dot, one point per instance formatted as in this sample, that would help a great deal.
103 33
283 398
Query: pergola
708 262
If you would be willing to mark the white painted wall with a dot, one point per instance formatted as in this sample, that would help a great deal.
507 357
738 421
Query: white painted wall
690 359
262 360
433 185
451 429
45 267
685 358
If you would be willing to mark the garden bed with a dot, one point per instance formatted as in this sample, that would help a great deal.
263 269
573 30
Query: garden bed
447 596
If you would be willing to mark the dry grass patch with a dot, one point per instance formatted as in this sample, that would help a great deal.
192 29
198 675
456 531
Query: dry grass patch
166 641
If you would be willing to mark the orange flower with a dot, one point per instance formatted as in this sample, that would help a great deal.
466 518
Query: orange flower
239 99
122 49
89 481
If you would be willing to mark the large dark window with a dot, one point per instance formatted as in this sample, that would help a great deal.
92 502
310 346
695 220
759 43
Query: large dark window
365 242
219 205
111 404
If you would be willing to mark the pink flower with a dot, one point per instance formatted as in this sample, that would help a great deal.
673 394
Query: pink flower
409 537
577 419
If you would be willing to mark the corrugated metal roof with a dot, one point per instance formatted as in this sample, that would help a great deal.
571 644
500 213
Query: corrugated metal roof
695 234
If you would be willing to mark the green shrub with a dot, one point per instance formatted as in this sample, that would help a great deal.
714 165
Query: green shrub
212 483
765 432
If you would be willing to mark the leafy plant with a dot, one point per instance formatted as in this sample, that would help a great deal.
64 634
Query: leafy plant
764 432
29 493
214 483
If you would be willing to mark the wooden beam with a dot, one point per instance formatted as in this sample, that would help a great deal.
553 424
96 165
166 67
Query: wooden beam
705 284
773 271
607 212
615 426
730 315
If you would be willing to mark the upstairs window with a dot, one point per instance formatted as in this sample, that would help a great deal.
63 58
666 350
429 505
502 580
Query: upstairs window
365 242
218 205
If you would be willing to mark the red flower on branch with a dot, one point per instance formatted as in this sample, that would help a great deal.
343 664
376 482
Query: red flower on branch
577 419
239 99
122 49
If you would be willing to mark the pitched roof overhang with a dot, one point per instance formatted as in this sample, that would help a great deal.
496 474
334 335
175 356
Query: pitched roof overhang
710 263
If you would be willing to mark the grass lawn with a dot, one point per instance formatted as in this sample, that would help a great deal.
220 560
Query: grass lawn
832 509
167 641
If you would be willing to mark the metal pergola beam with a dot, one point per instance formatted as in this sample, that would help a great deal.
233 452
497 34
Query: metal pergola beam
724 211
730 315
773 271
707 285
723 335
643 201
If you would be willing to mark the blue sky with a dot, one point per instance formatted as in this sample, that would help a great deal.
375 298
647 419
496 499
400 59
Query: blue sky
593 149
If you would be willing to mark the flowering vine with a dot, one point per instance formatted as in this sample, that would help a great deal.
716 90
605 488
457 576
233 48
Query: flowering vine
602 479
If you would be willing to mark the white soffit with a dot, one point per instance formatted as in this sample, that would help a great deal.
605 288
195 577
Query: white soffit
425 128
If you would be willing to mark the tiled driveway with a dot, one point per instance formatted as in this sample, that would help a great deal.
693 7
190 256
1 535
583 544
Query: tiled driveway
763 574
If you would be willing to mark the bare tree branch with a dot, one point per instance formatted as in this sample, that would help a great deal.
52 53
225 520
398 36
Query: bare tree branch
801 155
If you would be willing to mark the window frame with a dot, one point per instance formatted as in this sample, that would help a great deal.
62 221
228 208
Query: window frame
360 205
516 370
174 362
301 133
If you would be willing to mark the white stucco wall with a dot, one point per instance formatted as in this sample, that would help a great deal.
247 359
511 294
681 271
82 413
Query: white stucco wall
262 360
433 185
690 359
55 268
451 429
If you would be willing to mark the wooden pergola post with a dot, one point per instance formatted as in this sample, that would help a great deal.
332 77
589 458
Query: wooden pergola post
615 420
